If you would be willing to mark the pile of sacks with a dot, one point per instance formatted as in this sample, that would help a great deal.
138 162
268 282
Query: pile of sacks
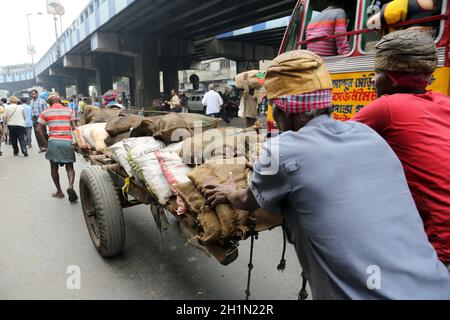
174 173
107 127
174 155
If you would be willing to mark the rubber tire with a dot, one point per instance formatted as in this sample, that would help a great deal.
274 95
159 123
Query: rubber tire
97 189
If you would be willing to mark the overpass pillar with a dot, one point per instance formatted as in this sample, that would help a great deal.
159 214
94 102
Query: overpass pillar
171 80
82 83
146 86
104 74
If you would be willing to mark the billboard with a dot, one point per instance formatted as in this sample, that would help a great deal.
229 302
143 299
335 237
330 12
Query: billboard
55 7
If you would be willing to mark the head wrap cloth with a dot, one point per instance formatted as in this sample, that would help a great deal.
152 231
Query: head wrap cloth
408 57
298 82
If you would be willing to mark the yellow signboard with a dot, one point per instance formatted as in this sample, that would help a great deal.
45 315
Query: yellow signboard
353 91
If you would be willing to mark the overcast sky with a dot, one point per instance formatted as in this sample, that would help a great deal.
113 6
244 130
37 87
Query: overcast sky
14 31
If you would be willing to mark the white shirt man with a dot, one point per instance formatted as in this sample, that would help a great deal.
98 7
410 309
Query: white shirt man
213 102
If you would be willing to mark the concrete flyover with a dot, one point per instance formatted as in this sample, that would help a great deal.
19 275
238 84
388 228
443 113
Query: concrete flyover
140 38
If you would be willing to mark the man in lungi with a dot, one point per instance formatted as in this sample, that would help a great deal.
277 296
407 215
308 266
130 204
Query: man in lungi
60 152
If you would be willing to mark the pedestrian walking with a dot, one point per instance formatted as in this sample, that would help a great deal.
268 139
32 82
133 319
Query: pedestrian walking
15 123
213 102
2 114
61 122
362 238
184 103
28 122
38 105
82 107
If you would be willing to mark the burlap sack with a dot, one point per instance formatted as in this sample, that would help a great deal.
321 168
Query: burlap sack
230 223
123 124
167 125
242 223
192 197
409 51
254 79
228 220
221 171
110 141
146 128
209 226
211 144
296 72
98 115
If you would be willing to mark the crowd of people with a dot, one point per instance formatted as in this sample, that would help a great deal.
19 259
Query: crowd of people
220 105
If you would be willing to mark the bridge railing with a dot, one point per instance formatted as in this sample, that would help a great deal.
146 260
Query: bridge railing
96 14
15 74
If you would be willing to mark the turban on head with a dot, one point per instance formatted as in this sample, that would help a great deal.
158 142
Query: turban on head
298 81
407 51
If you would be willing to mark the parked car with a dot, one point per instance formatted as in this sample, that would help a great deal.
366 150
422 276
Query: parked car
195 103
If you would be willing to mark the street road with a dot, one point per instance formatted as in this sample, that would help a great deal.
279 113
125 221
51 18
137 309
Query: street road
41 237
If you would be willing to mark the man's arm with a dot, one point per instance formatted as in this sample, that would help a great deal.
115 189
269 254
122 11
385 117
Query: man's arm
41 135
267 190
343 47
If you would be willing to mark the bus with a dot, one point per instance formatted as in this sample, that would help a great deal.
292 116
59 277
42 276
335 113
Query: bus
352 75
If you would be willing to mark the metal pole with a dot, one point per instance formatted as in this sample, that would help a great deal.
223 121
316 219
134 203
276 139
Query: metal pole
31 43
56 26
60 21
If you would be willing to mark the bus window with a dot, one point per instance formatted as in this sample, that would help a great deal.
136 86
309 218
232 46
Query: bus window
380 13
318 16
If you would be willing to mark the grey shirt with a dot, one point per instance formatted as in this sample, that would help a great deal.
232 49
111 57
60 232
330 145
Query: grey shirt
350 214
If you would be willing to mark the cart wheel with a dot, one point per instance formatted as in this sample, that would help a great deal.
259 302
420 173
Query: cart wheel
102 211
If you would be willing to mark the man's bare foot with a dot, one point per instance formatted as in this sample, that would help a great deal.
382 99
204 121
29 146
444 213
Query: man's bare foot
58 195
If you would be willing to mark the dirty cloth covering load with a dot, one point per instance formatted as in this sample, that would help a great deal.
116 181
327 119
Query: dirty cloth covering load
408 51
176 127
92 137
124 123
98 115
254 79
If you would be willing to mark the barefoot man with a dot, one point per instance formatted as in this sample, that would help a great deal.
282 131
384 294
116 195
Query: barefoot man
60 121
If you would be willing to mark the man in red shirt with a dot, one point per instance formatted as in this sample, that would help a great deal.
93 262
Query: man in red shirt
60 121
416 124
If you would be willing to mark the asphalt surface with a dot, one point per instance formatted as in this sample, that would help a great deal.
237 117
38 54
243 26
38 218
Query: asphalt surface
41 237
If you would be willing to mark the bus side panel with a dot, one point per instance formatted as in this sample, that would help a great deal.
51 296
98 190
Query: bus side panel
351 92
441 80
